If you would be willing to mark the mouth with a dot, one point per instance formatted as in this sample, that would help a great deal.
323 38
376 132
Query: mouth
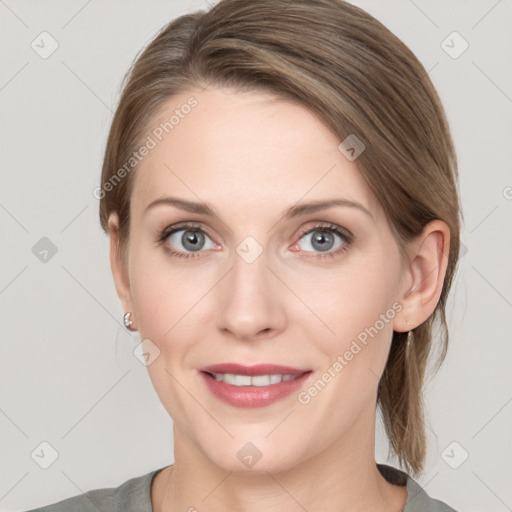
254 386
255 380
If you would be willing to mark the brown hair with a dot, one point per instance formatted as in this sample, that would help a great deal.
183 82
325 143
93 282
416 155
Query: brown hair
358 78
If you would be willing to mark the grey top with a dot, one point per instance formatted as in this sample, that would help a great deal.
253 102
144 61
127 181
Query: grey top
134 495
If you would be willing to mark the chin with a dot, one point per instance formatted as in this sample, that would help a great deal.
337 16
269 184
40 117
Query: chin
256 457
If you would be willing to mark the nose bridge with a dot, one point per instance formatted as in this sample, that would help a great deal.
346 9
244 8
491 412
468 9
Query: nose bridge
249 301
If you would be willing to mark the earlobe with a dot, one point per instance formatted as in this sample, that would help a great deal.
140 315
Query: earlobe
426 272
118 265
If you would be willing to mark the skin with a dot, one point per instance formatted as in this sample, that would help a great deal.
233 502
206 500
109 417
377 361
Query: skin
251 156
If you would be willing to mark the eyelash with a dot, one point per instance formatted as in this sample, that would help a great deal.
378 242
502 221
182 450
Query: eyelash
347 238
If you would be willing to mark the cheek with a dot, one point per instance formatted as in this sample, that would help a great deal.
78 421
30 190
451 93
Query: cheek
162 291
352 298
154 303
356 305
359 308
163 297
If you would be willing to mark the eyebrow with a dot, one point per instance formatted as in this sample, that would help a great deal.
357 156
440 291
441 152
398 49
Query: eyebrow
296 210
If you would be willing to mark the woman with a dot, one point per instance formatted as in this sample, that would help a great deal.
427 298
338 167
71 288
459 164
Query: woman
279 188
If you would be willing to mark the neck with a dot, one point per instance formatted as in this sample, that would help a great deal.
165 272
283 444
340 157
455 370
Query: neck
342 477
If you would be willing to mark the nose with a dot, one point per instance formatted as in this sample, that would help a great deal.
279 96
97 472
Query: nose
250 300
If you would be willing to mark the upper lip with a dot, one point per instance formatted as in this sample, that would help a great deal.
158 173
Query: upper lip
257 369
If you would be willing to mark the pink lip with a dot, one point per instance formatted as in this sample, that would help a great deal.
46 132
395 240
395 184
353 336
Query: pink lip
253 396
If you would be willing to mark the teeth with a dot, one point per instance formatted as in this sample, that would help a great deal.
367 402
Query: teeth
256 380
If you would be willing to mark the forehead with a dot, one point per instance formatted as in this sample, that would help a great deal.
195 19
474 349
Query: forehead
249 149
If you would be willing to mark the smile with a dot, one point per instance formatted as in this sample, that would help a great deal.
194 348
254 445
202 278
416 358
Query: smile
255 380
251 391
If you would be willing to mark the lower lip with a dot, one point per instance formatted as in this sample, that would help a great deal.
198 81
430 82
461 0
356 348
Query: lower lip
253 396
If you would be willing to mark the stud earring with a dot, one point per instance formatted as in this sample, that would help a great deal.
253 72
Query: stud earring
128 323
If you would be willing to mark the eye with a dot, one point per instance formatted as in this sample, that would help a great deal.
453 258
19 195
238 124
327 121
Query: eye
187 240
322 240
328 239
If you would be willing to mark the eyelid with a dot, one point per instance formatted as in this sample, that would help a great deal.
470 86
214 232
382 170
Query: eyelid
319 225
169 230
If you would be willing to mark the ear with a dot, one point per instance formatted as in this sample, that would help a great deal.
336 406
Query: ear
424 278
119 266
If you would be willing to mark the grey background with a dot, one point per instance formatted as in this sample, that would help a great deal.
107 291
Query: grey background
68 374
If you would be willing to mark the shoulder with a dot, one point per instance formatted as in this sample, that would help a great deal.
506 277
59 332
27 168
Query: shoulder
417 499
134 495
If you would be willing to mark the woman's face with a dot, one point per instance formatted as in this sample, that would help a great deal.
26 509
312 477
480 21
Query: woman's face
260 281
